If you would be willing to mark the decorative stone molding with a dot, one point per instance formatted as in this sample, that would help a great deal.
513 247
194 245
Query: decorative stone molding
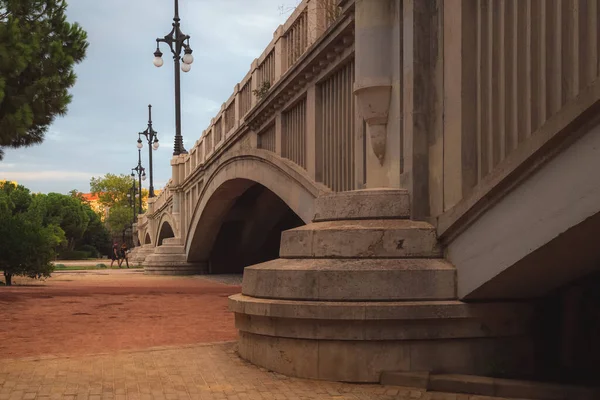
373 102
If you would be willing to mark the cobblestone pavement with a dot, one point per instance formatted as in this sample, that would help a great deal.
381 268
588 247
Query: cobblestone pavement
201 372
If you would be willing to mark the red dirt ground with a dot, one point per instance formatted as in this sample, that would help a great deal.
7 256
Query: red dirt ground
87 313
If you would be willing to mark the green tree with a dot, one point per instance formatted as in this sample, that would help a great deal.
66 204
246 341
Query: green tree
38 50
113 191
65 211
96 234
27 246
119 218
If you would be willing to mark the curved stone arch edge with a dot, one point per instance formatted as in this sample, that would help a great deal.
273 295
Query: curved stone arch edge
276 165
164 218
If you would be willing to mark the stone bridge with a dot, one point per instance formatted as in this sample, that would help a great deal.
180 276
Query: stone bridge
406 185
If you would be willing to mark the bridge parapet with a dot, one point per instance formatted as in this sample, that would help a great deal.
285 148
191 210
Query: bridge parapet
447 107
306 71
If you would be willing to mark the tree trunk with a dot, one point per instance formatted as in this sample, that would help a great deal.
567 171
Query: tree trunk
8 278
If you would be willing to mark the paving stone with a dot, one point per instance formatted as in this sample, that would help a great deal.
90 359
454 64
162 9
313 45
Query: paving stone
202 372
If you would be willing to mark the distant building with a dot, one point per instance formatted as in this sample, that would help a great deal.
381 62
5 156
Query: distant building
94 201
13 182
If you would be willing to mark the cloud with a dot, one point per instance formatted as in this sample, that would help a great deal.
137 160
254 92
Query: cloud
25 176
117 81
54 134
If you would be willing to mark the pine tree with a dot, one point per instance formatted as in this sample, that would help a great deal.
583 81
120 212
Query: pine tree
38 50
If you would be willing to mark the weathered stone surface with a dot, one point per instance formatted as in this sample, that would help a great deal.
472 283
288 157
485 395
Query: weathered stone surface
182 269
376 320
353 280
363 204
470 384
376 310
361 239
170 259
138 254
416 379
364 361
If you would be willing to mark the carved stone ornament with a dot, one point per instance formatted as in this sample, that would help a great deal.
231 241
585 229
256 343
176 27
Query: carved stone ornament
373 101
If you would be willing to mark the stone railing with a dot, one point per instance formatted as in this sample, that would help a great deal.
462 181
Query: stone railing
296 101
521 71
262 100
156 203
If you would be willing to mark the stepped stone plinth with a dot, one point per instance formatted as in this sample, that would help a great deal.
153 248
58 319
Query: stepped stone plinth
364 289
170 259
138 254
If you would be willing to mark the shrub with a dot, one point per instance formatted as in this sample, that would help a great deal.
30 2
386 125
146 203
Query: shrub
74 255
101 266
89 249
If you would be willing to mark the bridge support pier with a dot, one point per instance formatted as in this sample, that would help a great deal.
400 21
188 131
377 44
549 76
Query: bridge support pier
138 254
170 259
364 289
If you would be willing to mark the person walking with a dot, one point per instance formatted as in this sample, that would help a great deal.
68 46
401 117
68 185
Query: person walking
123 255
114 255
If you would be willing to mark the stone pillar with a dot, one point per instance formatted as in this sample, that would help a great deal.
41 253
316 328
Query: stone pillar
312 107
236 107
171 258
254 84
278 133
364 288
279 54
374 81
316 13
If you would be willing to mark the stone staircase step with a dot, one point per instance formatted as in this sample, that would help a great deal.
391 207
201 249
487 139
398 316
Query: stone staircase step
375 310
169 249
363 204
351 280
487 386
172 242
155 258
392 238
191 269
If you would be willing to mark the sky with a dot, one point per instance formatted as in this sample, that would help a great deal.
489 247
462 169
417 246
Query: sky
117 81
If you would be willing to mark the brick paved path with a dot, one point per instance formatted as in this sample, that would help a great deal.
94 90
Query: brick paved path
88 312
202 372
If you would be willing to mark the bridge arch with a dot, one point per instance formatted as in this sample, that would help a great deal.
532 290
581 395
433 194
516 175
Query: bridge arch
166 229
238 174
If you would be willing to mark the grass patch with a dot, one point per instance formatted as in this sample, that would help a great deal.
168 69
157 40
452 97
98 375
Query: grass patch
62 267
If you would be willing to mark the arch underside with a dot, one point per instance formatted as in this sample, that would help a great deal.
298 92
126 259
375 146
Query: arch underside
165 232
243 209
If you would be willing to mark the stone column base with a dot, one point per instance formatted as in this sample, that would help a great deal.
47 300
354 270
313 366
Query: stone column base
170 259
180 269
356 342
139 254
363 290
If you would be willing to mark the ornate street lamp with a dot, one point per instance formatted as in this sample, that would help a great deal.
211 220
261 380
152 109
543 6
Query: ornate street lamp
141 173
131 198
177 41
152 138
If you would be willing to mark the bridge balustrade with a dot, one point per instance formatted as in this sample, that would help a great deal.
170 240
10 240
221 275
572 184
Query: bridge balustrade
316 111
516 74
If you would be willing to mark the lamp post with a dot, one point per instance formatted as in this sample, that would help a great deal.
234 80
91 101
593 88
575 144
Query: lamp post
141 173
152 138
131 198
177 41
